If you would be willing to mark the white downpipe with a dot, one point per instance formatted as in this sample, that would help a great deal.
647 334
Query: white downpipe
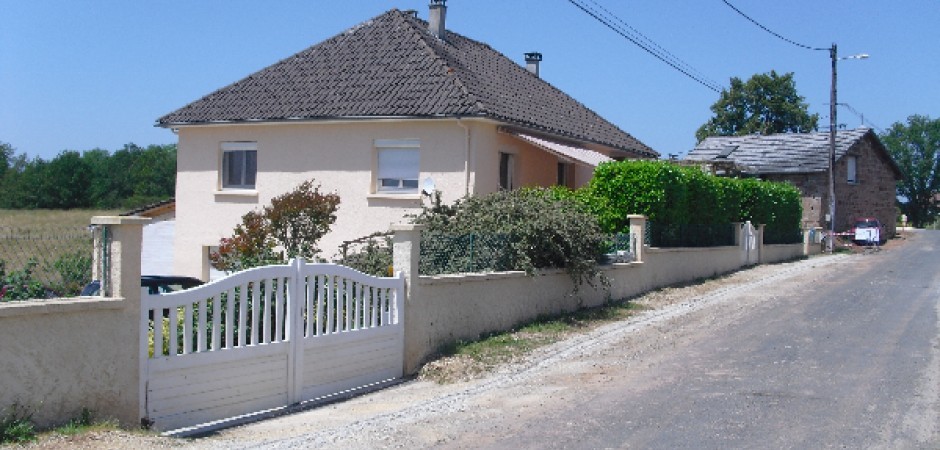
467 162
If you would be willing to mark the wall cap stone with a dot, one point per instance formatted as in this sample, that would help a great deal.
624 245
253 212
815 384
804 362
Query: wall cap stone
58 306
119 220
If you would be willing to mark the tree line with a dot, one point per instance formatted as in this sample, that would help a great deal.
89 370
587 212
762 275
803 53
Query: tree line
130 177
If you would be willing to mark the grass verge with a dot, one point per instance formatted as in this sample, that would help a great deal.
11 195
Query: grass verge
465 360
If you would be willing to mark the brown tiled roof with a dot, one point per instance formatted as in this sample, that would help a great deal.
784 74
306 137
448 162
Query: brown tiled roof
391 66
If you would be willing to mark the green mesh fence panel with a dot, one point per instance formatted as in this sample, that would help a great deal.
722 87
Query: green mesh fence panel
465 253
782 236
666 235
52 262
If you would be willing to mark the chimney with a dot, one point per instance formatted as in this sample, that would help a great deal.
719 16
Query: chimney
437 17
532 60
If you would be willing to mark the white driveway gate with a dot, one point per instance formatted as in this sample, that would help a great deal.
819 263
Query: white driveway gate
265 338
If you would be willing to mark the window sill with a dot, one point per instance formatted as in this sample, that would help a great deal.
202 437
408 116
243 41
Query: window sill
236 193
390 196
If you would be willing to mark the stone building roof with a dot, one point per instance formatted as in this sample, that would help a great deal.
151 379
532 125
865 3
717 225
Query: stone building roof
392 66
785 153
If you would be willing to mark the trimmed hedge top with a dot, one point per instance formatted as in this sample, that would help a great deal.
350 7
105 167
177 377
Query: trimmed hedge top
670 194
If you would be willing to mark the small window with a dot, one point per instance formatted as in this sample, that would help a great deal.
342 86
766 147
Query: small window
507 167
564 174
852 169
398 165
239 165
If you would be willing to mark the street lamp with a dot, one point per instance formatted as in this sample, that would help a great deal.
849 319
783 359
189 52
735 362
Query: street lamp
832 142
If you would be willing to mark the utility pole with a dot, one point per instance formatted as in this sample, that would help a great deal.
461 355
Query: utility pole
832 151
833 54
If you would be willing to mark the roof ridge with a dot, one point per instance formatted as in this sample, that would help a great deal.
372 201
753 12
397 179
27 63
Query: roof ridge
420 30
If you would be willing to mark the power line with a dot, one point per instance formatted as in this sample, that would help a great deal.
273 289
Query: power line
657 47
778 35
860 116
649 46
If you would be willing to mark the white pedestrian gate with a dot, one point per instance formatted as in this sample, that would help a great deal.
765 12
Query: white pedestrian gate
265 338
751 252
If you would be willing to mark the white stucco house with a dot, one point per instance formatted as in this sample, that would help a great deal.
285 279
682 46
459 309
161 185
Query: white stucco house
370 114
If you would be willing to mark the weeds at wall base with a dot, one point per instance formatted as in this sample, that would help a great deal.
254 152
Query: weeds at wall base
16 426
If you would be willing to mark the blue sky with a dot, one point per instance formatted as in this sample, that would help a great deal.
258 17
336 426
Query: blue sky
81 75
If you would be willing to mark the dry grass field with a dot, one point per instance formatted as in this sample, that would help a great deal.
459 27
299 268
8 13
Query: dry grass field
43 219
55 247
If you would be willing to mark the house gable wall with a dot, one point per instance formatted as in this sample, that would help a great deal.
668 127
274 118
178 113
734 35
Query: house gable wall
873 195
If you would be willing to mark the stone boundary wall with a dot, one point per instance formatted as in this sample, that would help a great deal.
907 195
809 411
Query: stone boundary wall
62 355
443 309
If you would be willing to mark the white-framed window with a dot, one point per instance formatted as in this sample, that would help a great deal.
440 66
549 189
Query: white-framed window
398 167
507 169
851 163
239 165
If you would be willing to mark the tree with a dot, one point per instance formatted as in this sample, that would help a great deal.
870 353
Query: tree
915 148
64 182
293 223
6 157
767 103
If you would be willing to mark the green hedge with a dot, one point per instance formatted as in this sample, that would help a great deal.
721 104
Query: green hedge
673 195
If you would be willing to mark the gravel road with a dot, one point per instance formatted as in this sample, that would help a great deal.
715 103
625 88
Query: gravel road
475 413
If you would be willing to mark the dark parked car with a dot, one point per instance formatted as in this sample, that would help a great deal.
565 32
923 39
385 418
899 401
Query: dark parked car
151 284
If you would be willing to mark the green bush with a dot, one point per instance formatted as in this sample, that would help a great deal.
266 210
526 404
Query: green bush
21 284
777 205
373 258
671 195
655 189
544 229
75 272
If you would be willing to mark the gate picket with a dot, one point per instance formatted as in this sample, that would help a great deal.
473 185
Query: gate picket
312 329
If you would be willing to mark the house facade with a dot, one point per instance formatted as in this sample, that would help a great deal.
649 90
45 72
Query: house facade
865 176
376 114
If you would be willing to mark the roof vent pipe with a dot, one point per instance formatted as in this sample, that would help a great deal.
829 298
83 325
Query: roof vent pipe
436 18
532 60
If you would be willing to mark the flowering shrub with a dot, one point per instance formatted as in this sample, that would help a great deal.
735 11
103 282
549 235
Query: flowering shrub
288 228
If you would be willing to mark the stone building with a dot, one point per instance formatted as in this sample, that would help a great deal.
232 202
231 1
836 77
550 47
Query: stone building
865 175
